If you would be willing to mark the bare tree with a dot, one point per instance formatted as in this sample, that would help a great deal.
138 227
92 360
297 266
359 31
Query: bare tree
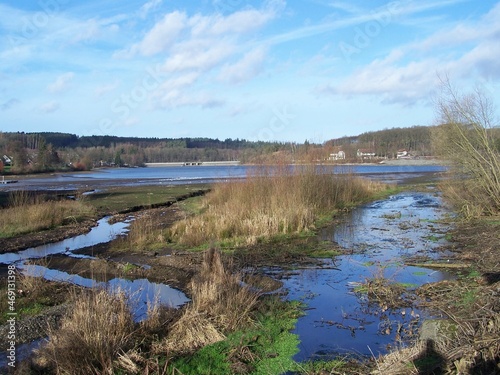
468 137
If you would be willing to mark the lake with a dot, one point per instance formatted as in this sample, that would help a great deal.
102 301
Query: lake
200 174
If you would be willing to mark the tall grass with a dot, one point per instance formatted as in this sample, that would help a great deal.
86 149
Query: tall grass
27 213
220 304
275 200
98 328
143 232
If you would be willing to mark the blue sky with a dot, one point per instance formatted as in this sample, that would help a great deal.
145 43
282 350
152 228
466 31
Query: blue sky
262 70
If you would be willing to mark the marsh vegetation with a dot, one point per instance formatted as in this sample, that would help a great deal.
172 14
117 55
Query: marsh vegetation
274 201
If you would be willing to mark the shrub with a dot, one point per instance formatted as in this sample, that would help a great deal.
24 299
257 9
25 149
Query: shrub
470 139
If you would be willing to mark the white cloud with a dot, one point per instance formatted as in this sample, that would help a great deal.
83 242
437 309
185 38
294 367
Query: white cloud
199 54
162 35
151 5
102 90
246 68
49 107
410 72
239 22
216 45
62 83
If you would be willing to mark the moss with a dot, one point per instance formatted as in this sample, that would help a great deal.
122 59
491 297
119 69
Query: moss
209 360
266 348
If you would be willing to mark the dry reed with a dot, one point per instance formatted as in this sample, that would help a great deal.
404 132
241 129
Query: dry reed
27 214
220 304
276 200
97 328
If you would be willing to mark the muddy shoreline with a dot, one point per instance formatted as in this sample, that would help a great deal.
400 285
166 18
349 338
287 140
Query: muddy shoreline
29 240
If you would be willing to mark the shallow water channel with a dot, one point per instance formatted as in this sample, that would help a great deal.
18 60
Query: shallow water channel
338 320
380 236
141 291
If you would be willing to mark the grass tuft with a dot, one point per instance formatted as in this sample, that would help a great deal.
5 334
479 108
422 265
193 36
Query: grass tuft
220 304
98 327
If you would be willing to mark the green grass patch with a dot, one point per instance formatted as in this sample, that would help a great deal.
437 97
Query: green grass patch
324 253
32 309
266 348
468 298
192 206
117 199
128 267
393 216
322 367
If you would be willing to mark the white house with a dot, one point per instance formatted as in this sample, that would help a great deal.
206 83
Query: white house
340 155
7 160
402 154
365 154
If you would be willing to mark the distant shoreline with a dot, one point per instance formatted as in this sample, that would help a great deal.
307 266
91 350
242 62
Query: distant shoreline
195 163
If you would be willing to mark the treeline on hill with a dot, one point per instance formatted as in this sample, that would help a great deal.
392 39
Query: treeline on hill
386 143
40 152
46 151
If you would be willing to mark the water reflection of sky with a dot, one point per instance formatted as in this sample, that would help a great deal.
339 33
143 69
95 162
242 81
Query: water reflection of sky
381 235
140 292
102 232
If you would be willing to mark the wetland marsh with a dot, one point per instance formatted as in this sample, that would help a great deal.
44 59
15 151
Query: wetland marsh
345 314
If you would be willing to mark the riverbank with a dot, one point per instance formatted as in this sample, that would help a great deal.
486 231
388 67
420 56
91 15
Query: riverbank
466 339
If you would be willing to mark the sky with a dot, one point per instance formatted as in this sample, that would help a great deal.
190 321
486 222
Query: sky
271 70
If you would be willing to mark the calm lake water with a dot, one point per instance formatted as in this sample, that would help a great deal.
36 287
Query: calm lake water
199 174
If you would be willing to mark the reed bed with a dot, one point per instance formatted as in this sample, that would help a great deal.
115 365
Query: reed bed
272 201
98 328
27 214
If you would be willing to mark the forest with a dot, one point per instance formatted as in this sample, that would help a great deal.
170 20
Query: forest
22 152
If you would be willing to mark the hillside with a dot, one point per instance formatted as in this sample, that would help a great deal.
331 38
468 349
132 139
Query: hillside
49 151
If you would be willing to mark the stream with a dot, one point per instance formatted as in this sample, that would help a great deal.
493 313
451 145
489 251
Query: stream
338 320
381 235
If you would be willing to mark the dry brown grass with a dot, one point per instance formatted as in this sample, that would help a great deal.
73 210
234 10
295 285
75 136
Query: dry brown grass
220 304
98 327
143 232
27 214
276 200
424 357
